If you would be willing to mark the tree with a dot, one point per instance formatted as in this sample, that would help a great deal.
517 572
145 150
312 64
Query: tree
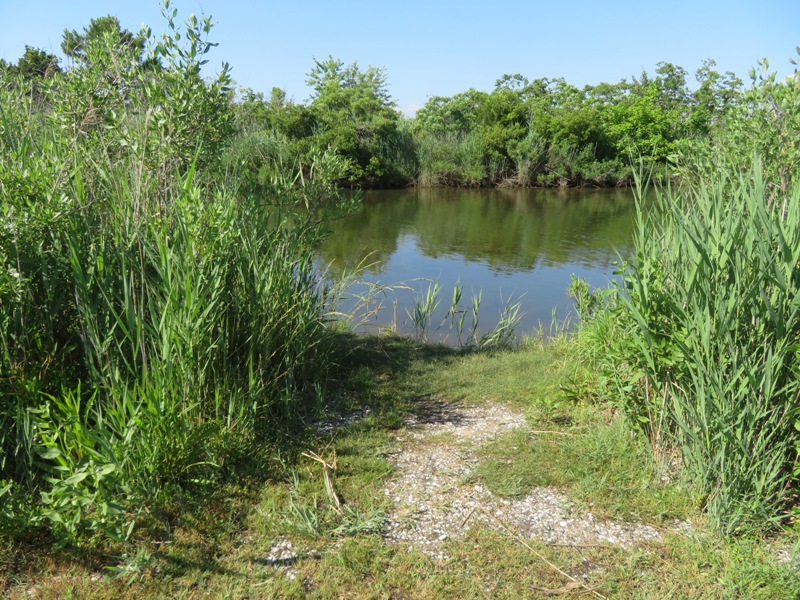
353 113
456 114
641 126
503 119
671 84
278 114
34 64
75 45
606 94
715 96
149 91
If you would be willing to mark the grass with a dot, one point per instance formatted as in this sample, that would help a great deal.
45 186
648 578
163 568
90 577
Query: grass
529 378
218 547
156 326
705 350
595 459
165 356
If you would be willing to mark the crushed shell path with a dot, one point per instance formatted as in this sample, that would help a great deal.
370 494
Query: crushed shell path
433 500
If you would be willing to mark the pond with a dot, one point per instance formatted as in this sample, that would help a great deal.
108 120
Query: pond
507 246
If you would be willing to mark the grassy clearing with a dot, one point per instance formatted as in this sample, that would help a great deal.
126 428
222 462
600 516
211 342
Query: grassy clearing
220 548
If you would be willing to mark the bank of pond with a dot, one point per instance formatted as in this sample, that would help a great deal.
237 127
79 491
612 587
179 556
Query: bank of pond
163 310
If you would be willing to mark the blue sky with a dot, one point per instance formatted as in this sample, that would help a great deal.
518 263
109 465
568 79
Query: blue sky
441 48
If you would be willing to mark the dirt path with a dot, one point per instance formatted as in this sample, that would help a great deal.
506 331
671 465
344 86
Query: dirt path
433 500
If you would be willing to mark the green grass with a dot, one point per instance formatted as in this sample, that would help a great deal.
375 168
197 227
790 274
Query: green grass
505 377
216 546
699 346
595 459
155 325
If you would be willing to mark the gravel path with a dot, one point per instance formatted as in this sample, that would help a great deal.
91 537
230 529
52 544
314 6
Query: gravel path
433 503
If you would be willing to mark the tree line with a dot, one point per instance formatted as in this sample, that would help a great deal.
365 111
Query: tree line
541 132
522 133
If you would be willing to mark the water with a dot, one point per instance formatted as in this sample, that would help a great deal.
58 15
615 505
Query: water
508 244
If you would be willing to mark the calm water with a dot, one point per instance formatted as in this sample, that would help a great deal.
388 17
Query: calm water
520 244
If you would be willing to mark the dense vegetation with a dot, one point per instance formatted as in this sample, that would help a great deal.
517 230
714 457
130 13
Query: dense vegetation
159 312
522 133
701 343
155 320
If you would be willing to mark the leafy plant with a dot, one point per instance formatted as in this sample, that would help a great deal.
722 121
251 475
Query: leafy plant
150 319
707 360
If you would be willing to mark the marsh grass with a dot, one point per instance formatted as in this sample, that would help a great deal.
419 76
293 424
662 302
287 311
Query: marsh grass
700 345
155 326
187 330
425 320
451 159
424 326
165 358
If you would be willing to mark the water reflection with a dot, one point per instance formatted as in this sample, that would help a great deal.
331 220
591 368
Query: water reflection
503 242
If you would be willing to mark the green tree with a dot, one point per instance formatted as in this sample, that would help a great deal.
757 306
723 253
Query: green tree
456 114
354 113
766 123
671 85
503 119
606 94
278 114
448 148
34 64
713 99
641 126
76 44
156 102
574 119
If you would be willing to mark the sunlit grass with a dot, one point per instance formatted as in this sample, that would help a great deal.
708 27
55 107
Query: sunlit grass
699 346
218 548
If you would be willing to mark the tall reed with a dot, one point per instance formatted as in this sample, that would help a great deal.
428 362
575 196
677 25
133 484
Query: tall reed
152 322
711 323
451 159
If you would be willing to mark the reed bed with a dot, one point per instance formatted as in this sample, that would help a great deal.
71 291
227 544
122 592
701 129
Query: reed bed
154 324
700 344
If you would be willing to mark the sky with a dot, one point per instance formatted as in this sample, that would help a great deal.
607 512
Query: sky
440 48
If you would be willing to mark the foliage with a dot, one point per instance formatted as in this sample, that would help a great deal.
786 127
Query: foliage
522 133
151 322
450 115
548 132
102 30
34 64
354 114
763 123
716 95
701 344
642 126
541 132
229 547
715 307
450 159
